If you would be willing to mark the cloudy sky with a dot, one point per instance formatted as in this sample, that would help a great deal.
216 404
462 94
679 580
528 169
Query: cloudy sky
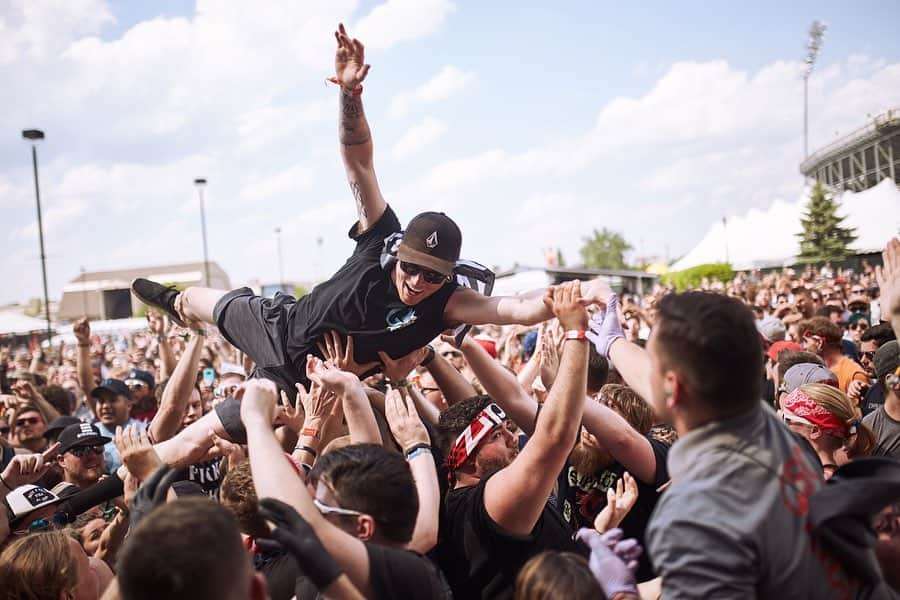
528 123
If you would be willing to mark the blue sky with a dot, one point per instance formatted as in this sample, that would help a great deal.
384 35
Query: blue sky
529 123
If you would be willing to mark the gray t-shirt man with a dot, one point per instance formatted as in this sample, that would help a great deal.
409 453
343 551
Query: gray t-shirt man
734 522
887 432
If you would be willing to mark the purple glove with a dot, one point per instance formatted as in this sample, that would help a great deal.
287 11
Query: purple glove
605 327
613 561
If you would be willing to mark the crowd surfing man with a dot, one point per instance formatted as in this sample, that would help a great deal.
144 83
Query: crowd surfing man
382 304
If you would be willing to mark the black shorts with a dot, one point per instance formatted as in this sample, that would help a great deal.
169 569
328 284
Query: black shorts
259 327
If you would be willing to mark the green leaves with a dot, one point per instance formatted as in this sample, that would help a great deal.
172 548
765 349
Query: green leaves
823 236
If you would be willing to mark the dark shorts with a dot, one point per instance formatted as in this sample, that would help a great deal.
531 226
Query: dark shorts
259 327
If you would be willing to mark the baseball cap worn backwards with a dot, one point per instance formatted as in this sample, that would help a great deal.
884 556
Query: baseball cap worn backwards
431 240
887 358
804 373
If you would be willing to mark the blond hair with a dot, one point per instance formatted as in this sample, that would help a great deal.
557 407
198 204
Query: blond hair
860 443
39 566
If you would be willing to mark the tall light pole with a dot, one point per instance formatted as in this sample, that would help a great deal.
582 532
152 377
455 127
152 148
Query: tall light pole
816 32
35 135
200 182
280 261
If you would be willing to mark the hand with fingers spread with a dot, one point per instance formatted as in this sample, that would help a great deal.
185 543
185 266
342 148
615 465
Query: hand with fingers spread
295 535
136 451
28 468
567 306
397 370
549 355
258 398
613 561
605 327
619 501
292 416
329 377
404 421
333 351
888 278
349 60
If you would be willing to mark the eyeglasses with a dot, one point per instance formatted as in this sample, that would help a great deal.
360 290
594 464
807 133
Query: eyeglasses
859 325
82 451
136 385
869 356
58 520
28 421
224 390
335 510
428 275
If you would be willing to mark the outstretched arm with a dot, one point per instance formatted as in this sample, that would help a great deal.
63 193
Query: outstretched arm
178 390
515 497
356 139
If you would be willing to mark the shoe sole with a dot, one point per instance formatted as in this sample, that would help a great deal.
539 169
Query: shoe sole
172 315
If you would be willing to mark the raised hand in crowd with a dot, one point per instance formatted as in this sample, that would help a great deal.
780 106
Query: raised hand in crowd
619 501
81 329
888 277
334 352
404 421
349 60
293 416
397 370
613 561
136 451
26 468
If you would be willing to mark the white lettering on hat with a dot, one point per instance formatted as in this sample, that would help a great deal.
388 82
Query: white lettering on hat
38 496
86 430
432 240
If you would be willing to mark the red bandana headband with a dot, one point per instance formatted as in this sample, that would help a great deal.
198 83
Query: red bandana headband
491 417
801 407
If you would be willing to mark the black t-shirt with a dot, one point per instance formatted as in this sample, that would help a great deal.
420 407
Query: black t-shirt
479 559
361 300
208 475
580 498
394 574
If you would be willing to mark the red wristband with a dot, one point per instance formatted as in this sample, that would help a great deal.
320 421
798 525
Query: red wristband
575 334
310 432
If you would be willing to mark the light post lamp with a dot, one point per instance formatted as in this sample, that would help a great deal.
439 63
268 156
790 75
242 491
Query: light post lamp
280 261
816 32
35 135
200 182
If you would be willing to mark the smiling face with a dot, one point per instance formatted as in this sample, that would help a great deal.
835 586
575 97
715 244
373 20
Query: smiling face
113 410
83 465
413 289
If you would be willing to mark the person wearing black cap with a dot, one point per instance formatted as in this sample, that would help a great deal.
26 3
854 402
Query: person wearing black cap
143 393
81 454
113 409
396 292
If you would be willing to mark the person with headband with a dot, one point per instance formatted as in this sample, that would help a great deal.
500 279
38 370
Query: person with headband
826 418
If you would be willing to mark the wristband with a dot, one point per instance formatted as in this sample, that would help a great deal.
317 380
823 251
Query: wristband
310 432
429 356
402 383
416 449
306 449
574 334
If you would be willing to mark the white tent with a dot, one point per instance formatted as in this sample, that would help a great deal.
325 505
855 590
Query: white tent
12 323
768 237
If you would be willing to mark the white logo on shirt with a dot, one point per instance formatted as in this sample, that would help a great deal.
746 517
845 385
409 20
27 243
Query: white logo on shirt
432 240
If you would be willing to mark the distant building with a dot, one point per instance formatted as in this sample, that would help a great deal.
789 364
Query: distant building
107 294
524 279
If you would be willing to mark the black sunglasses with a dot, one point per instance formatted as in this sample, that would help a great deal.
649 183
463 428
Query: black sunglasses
28 421
412 269
82 451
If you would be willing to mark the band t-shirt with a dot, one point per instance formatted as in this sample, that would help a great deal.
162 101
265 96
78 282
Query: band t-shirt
581 497
479 559
361 300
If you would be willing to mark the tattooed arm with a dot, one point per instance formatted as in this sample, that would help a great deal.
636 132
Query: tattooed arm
356 139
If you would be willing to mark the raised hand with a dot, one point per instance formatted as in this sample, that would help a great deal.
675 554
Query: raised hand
28 468
319 401
156 323
888 278
619 501
292 416
613 562
568 306
258 399
595 291
403 419
395 370
82 331
605 326
349 60
334 352
136 451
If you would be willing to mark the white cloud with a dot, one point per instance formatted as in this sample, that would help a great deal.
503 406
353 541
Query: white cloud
36 31
448 81
418 136
286 183
398 21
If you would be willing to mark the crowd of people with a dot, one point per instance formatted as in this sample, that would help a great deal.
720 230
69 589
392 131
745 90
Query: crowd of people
396 434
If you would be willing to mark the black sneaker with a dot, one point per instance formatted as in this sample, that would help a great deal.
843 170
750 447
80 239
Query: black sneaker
157 296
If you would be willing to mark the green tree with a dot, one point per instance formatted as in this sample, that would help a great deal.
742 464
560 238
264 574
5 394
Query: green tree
605 249
823 236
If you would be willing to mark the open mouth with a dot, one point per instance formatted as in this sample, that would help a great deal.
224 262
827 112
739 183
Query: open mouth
411 290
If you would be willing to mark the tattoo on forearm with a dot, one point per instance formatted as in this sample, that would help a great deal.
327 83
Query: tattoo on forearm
354 130
357 195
